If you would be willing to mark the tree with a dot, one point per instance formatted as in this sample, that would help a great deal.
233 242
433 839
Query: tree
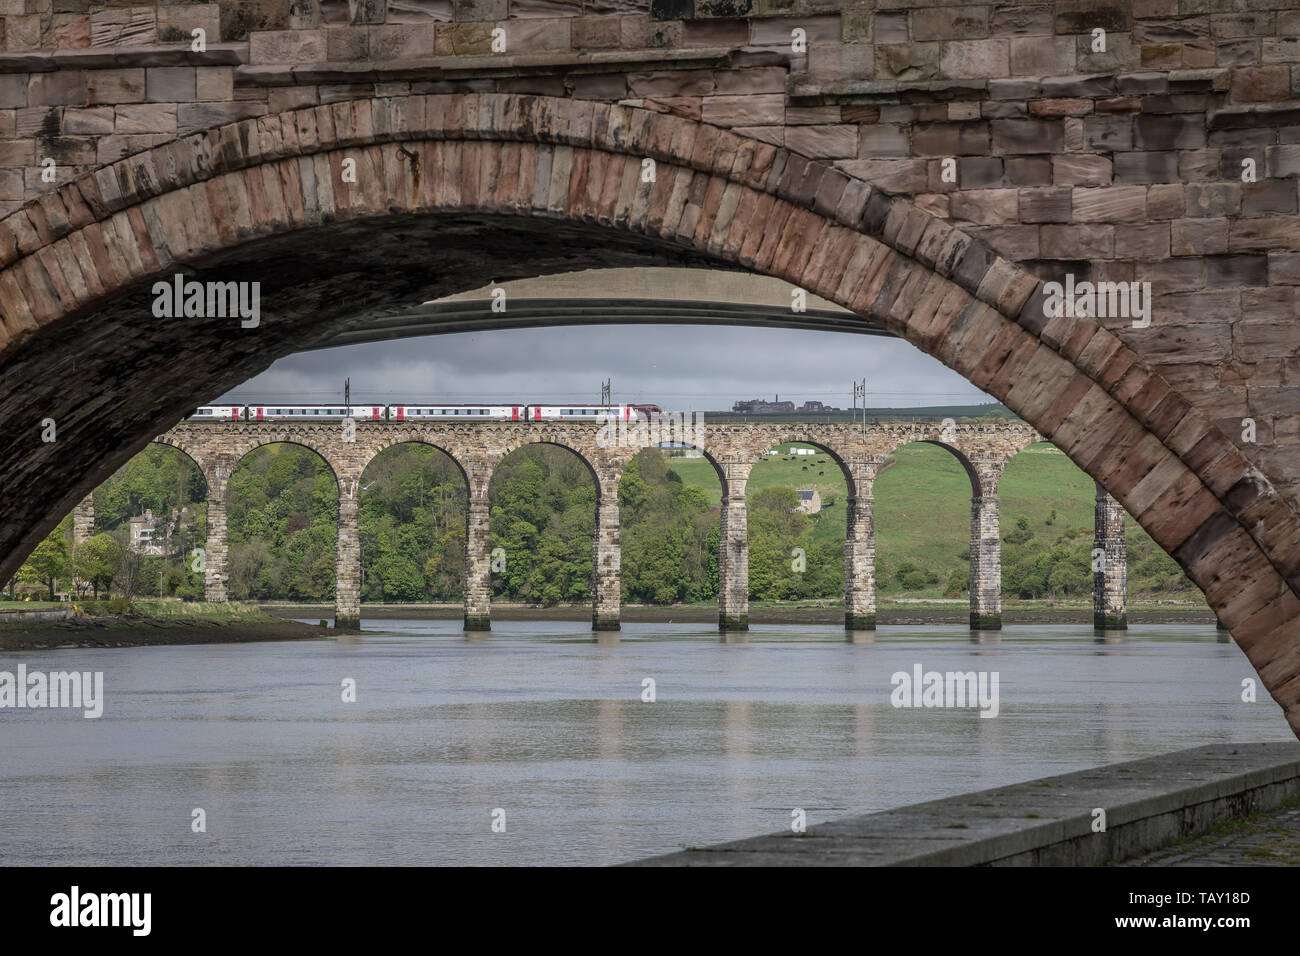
47 562
99 560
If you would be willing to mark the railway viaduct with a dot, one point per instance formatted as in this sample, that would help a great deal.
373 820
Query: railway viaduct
927 165
733 449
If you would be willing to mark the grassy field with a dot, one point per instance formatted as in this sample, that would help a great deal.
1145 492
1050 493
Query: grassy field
922 502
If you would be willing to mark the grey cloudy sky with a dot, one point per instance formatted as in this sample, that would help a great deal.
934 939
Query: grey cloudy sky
677 367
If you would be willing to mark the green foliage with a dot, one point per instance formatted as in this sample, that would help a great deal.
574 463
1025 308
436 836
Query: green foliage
282 525
97 561
46 564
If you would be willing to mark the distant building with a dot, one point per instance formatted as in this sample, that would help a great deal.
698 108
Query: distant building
810 501
150 535
760 406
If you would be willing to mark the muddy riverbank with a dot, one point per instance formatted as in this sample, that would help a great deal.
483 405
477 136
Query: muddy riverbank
241 625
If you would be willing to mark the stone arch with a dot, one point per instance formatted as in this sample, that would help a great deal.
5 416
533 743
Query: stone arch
720 471
605 471
963 459
600 476
837 455
219 502
386 441
204 200
859 530
185 448
1106 518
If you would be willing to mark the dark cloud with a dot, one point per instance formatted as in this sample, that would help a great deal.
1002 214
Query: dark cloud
677 367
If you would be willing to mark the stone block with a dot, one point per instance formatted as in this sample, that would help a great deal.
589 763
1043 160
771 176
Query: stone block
882 140
1109 204
146 118
214 83
989 207
975 59
760 110
596 33
96 121
907 61
524 37
70 31
1146 167
1027 136
115 86
1268 197
950 139
979 172
170 84
1150 241
1165 202
1112 134
13 90
1198 237
823 142
60 88
411 41
1263 84
1232 271
1021 21
950 23
1081 170
1042 56
1077 241
177 21
419 11
1028 170
1178 131
1212 200
286 47
126 26
1050 204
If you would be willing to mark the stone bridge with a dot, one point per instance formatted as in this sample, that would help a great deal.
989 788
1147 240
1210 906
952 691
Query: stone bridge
926 165
733 449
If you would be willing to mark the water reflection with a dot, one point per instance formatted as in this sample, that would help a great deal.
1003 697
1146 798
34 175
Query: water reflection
539 720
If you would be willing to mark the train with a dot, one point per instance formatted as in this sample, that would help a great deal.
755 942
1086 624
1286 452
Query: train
430 412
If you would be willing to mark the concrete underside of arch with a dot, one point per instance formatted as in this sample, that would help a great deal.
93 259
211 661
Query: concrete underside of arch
264 200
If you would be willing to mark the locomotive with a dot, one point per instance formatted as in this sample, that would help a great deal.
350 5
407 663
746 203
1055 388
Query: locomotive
430 412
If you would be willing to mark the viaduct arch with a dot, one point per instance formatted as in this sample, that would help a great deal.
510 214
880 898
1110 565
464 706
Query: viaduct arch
483 171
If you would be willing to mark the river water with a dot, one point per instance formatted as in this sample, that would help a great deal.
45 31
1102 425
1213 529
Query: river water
541 722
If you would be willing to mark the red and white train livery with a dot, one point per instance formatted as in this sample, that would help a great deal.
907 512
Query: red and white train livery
428 412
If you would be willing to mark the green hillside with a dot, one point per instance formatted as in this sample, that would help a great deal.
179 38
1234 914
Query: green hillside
921 502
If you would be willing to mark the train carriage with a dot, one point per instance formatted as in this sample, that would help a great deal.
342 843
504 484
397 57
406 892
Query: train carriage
216 413
565 413
405 413
314 413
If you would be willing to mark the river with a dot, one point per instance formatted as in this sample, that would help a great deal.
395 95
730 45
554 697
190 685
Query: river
539 727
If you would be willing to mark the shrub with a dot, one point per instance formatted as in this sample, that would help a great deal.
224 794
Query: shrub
917 580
